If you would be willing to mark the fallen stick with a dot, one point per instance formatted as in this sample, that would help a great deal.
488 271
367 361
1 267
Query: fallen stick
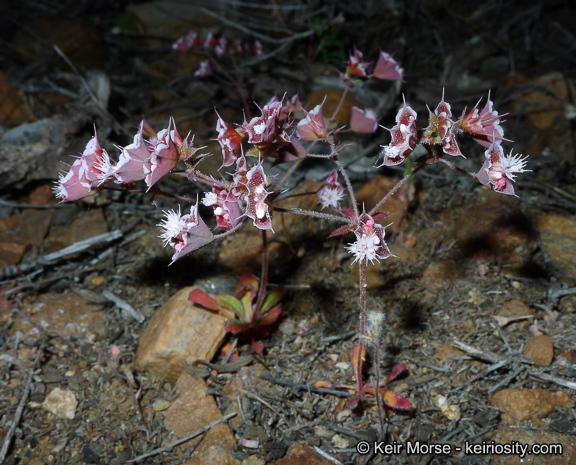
171 446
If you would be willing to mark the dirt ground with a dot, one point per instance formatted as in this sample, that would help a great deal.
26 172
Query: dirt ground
464 254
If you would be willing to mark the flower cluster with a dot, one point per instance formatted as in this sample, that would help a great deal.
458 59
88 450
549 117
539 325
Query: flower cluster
141 160
386 67
219 46
483 126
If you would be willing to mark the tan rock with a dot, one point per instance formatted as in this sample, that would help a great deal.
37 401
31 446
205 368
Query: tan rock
523 404
179 330
531 437
540 349
440 274
496 229
371 193
443 353
192 410
558 235
299 455
61 403
64 315
514 308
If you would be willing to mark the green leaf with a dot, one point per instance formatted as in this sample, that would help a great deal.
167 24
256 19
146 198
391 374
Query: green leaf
232 303
272 298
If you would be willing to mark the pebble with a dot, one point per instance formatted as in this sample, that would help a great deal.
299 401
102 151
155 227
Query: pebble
529 437
523 404
298 455
540 349
558 236
62 403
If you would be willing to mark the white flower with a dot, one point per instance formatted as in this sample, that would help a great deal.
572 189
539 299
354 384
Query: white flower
513 164
172 226
365 248
330 196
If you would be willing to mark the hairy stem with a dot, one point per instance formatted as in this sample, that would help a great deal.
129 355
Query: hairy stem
362 267
348 185
395 188
264 276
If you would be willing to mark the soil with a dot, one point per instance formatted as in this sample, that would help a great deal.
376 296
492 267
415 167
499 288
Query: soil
463 253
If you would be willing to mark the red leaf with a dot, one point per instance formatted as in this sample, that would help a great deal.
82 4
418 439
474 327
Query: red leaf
395 401
352 402
358 362
258 347
349 213
200 297
235 326
343 230
322 384
396 371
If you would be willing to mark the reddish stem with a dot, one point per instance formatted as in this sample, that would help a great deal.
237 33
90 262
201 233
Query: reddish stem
264 276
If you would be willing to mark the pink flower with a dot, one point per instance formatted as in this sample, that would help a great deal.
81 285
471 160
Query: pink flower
134 159
369 245
498 169
87 173
262 129
256 206
442 130
387 68
331 192
404 137
210 41
204 69
222 47
357 66
363 121
185 233
239 179
483 126
164 157
312 127
257 49
227 213
230 141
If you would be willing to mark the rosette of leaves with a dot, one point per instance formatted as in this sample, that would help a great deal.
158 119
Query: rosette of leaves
253 322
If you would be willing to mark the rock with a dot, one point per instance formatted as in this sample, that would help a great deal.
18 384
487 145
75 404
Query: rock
523 404
514 308
301 455
62 315
78 228
179 330
440 274
540 349
558 235
371 193
61 403
192 410
445 352
567 358
496 229
531 437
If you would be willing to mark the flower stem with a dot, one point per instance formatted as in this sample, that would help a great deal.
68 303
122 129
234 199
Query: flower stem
360 364
264 276
395 188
